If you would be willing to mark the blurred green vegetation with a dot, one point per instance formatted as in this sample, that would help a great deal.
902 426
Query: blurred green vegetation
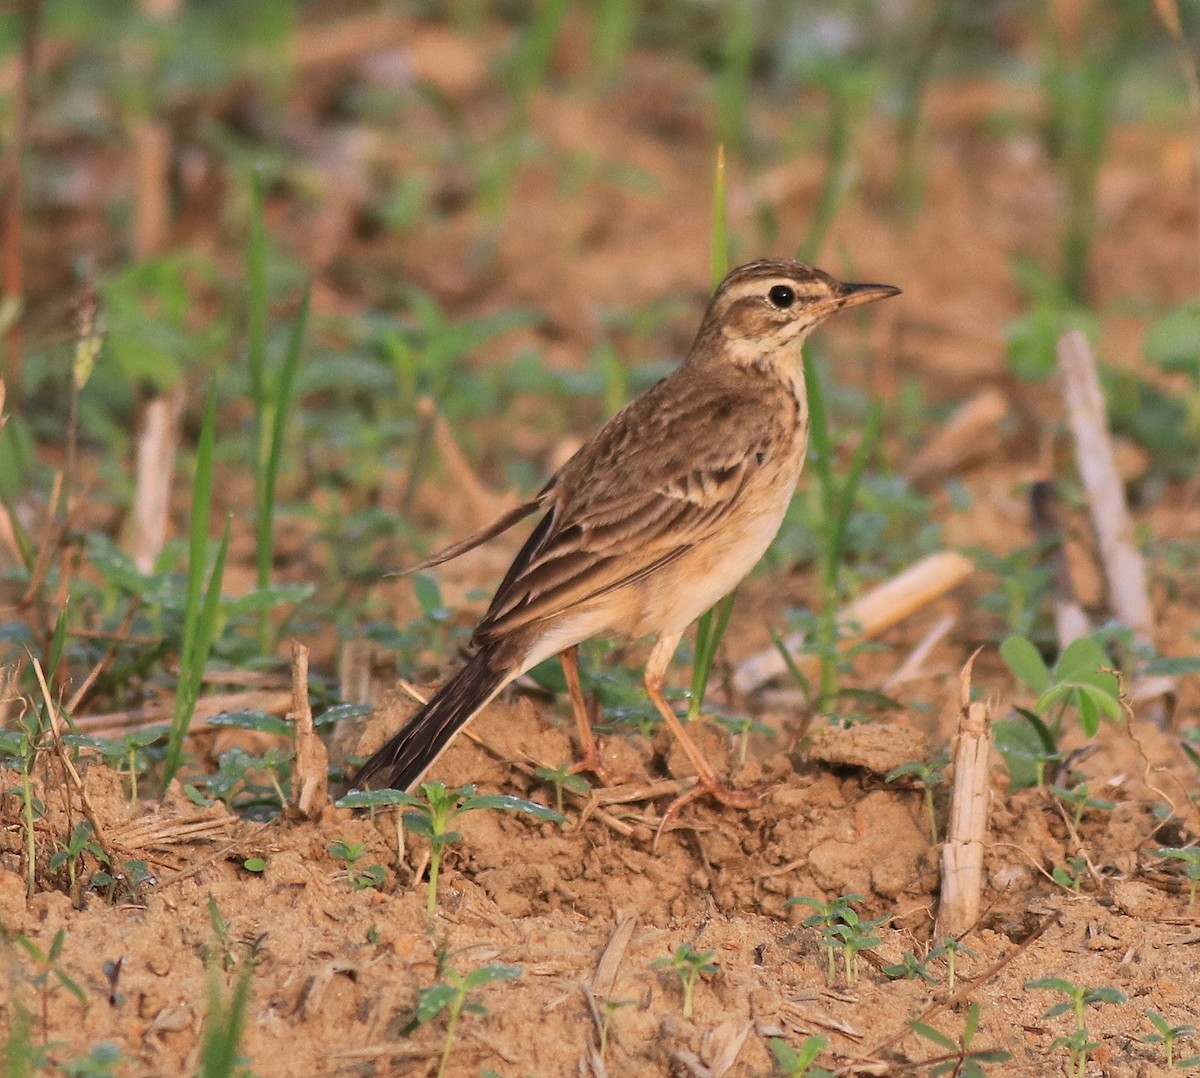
320 415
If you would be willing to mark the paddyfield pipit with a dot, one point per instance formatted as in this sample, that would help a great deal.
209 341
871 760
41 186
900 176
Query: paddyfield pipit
657 517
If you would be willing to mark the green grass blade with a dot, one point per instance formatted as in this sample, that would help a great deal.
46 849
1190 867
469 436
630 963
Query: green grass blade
849 493
256 302
820 445
224 1025
197 550
708 636
265 488
534 56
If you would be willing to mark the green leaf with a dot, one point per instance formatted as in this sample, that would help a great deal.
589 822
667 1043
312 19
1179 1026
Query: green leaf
936 1035
429 595
1173 342
511 803
432 1001
1080 658
1089 714
259 721
487 974
255 864
1053 984
342 711
357 799
1026 663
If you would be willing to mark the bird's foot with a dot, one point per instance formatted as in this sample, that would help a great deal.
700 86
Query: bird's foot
726 795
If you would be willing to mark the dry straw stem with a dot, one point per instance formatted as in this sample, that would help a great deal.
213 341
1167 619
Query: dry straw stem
866 617
962 852
483 504
155 470
1124 569
272 701
310 777
973 431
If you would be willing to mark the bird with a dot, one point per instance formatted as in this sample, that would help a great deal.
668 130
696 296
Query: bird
652 521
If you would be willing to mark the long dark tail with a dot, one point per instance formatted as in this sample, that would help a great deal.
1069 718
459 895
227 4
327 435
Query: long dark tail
408 755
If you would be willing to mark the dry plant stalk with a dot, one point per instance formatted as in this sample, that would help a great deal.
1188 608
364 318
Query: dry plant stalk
1124 568
155 471
310 775
866 617
962 852
971 432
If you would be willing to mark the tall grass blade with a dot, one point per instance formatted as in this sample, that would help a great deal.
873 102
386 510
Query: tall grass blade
837 504
224 1024
708 634
269 474
200 610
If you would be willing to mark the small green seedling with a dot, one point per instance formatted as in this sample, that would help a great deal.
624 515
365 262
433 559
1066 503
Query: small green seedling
929 773
453 995
80 842
688 964
350 854
132 874
561 779
126 751
1080 679
841 930
611 1006
909 968
742 728
1167 1035
1190 856
1077 799
950 948
793 1063
1079 999
225 1023
961 1059
436 809
47 963
1072 876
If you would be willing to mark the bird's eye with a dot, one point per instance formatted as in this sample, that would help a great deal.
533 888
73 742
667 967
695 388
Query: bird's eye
781 296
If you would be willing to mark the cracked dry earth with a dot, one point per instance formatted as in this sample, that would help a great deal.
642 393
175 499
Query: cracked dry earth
586 909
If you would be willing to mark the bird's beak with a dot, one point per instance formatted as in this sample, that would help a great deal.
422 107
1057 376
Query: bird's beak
853 294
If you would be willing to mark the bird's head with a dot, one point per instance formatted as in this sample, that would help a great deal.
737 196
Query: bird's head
762 311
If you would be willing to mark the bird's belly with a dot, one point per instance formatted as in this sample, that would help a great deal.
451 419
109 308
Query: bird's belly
678 594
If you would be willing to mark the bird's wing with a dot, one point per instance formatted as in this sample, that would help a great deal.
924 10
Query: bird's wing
659 477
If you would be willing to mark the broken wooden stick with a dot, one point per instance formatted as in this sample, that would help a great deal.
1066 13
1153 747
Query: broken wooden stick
1124 568
310 777
866 617
962 852
970 433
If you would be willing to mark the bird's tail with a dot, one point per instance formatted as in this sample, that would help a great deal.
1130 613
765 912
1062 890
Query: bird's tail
408 755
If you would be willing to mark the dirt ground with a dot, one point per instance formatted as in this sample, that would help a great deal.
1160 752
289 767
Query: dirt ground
585 909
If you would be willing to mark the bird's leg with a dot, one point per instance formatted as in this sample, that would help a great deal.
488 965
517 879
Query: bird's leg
589 753
707 781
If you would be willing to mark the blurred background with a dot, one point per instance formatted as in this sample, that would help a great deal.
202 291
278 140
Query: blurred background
419 251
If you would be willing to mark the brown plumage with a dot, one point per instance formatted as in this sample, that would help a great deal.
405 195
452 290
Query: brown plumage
657 517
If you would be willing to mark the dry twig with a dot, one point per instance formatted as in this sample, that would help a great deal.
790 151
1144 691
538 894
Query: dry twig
310 777
867 617
1124 568
962 852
